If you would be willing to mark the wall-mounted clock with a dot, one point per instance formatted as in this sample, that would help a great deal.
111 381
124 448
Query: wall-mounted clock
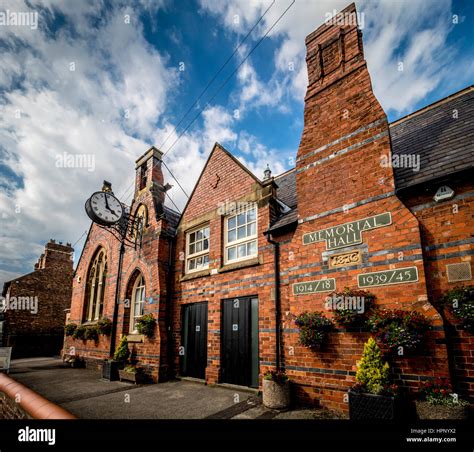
104 208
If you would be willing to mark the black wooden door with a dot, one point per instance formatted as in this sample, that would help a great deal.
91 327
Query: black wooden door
240 341
194 340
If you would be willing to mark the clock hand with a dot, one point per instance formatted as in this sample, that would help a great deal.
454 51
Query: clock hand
108 207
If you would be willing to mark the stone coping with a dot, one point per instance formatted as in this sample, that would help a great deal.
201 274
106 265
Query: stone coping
31 402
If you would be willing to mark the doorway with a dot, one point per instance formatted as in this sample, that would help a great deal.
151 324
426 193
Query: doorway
240 362
194 340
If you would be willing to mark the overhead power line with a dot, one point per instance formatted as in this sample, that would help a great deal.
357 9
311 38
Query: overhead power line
210 82
222 86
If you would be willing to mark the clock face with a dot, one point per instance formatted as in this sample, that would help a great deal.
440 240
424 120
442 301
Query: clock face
104 208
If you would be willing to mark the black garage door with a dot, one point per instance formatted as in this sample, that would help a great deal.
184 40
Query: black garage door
240 341
194 340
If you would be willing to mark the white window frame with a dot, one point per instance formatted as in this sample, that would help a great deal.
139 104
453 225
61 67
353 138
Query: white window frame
138 285
245 240
195 255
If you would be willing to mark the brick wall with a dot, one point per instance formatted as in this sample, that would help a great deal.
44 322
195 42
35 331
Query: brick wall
150 259
340 179
39 333
446 229
224 180
9 409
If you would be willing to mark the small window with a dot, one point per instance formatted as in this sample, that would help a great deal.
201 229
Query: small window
241 235
138 303
143 176
139 224
197 249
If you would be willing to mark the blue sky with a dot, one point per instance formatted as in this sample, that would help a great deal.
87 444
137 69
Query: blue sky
108 79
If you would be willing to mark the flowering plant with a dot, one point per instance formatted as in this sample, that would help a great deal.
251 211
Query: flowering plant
438 392
276 376
398 328
351 306
313 328
439 387
460 300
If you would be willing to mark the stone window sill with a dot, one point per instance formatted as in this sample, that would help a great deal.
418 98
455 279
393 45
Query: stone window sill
194 275
241 264
136 338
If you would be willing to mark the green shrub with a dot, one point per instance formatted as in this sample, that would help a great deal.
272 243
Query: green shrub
146 325
122 352
69 329
372 373
104 326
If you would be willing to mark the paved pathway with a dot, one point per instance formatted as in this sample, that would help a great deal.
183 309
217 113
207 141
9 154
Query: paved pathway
87 396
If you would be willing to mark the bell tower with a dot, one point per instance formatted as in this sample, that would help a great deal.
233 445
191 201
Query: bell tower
149 176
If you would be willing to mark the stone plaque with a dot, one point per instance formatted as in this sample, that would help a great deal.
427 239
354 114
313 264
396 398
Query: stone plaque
347 234
323 285
388 277
345 259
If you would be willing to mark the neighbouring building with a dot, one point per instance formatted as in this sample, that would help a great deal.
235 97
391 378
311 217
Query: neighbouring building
34 305
226 278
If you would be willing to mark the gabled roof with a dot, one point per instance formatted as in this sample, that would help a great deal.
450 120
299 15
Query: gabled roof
441 134
217 146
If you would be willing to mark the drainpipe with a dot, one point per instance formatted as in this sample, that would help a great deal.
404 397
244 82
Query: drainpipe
169 307
276 266
117 300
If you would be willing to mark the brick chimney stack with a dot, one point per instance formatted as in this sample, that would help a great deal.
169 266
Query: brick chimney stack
345 128
149 176
56 255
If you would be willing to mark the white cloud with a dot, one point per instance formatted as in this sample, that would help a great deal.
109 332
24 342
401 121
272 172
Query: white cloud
56 110
419 28
81 111
257 156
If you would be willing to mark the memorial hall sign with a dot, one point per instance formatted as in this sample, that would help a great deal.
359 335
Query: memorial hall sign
347 234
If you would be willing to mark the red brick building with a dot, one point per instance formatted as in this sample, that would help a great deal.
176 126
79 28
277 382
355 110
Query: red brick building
226 279
36 304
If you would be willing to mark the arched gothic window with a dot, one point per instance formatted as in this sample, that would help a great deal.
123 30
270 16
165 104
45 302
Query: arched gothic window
95 287
137 306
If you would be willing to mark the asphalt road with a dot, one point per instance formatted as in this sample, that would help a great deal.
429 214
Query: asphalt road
87 396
